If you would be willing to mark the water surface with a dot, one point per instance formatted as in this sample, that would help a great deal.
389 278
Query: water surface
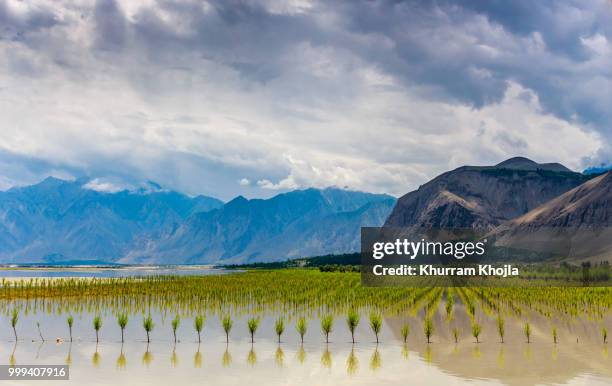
110 272
340 362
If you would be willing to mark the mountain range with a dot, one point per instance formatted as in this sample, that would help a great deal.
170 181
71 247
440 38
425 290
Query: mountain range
542 210
59 221
295 224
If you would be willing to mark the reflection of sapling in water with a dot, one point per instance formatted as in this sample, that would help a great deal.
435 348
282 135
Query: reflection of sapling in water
121 360
301 354
12 359
174 358
375 360
428 354
252 357
68 360
352 363
226 359
147 357
476 353
197 359
326 358
501 358
95 359
279 357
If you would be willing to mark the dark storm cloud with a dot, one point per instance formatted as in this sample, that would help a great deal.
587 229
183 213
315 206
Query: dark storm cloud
242 35
110 25
462 51
14 26
450 45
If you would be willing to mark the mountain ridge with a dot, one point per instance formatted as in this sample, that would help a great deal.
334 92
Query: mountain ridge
58 220
576 224
483 197
293 224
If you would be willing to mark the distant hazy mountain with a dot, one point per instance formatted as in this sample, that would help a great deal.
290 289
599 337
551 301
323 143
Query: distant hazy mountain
58 220
64 221
483 197
295 224
578 223
597 169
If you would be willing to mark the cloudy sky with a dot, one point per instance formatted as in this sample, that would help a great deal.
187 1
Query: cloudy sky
255 97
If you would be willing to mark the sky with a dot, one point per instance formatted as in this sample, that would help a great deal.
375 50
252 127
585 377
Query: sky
253 98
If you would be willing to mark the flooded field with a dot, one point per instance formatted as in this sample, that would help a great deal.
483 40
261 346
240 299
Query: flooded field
453 356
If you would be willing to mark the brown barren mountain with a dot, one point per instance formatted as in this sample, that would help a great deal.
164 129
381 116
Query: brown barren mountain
483 197
577 224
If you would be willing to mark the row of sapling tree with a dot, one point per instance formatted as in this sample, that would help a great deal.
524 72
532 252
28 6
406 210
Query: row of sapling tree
327 322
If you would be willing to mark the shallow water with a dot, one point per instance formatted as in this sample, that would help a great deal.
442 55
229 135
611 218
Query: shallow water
131 271
267 362
579 358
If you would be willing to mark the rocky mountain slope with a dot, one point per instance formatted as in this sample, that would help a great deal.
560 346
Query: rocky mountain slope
577 224
59 220
64 221
300 223
483 197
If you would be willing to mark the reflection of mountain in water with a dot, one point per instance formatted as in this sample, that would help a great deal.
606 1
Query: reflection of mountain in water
514 362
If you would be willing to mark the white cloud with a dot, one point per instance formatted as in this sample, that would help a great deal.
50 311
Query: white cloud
321 103
100 185
598 44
